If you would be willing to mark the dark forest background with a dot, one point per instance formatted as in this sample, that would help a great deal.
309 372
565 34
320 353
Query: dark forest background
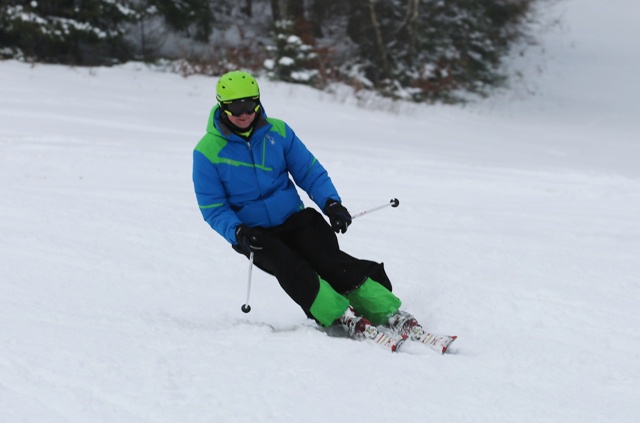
418 50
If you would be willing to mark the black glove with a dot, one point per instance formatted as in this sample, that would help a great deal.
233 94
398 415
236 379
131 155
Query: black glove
339 216
248 238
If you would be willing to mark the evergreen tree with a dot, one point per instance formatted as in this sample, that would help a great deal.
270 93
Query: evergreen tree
86 32
190 17
292 59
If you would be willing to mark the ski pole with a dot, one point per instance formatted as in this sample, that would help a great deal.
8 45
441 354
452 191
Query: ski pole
393 203
246 307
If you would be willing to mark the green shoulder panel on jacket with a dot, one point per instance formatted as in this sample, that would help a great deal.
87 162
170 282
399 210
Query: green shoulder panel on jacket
210 146
278 126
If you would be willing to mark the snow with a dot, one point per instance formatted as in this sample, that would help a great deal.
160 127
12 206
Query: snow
518 230
286 61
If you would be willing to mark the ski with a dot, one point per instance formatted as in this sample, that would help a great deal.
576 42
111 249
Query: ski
438 343
387 341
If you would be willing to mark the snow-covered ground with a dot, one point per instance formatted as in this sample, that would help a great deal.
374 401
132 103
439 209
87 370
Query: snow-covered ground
518 231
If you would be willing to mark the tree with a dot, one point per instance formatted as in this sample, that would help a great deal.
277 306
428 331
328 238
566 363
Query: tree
292 59
432 49
190 17
88 32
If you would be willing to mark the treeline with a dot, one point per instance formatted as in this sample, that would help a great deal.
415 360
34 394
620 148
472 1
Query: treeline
421 50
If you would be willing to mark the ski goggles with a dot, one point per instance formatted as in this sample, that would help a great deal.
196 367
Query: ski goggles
241 106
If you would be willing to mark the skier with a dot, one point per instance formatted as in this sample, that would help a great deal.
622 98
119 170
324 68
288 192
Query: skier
244 169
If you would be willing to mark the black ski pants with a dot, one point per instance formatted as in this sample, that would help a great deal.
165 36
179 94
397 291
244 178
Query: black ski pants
305 247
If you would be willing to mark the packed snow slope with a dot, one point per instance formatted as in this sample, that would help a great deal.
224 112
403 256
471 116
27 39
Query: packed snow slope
518 230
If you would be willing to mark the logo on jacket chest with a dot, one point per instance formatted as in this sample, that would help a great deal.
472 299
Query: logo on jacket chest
270 139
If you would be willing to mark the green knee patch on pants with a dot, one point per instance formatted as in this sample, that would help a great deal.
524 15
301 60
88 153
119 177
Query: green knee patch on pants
328 305
374 301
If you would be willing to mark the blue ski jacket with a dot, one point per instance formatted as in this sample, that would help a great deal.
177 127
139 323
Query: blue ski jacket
249 181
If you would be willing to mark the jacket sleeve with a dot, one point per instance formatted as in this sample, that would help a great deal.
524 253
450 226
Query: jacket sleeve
307 172
212 198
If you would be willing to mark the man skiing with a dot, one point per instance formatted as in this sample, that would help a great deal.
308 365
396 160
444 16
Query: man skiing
244 170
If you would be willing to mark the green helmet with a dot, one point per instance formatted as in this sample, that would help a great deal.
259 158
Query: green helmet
236 84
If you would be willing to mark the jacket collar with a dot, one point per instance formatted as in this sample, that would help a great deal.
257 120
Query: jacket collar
216 124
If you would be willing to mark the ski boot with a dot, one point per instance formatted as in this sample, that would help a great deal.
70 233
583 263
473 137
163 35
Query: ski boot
357 327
